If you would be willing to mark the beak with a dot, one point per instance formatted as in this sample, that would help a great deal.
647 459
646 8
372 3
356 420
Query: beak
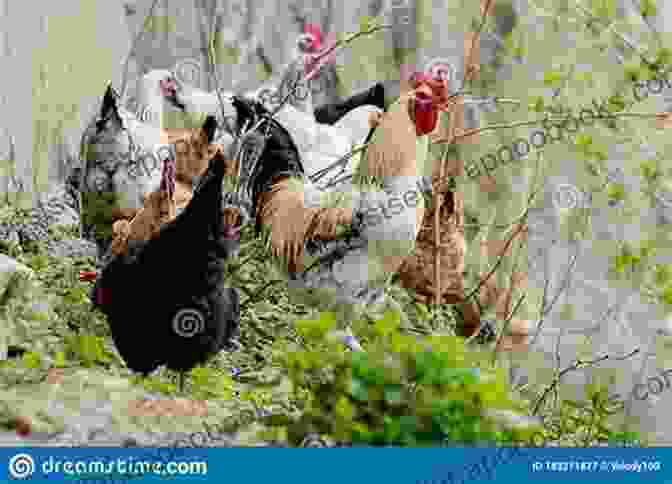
169 88
423 91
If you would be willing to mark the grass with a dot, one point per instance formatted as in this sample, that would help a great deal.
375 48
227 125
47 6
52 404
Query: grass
72 339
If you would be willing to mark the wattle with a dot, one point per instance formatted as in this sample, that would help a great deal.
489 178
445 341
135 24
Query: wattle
426 115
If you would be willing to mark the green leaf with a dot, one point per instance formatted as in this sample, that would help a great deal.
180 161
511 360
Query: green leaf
364 23
316 329
392 429
664 56
616 191
634 73
422 310
584 140
394 394
59 360
538 105
663 274
667 296
388 324
616 103
344 409
88 348
553 78
604 9
32 360
647 249
359 390
649 169
647 8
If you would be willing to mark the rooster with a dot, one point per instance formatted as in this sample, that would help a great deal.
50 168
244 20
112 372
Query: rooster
336 251
166 285
323 135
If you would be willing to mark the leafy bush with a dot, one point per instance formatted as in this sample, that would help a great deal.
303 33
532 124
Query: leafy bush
409 391
586 424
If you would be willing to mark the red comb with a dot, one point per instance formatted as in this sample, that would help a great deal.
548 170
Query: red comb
316 32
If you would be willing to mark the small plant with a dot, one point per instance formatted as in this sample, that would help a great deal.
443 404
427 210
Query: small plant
585 423
407 391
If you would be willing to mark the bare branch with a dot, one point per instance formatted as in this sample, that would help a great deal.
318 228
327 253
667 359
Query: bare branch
145 23
578 365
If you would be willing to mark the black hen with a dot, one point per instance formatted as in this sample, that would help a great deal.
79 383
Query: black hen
165 300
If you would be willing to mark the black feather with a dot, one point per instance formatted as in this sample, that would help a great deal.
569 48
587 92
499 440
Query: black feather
178 273
280 156
109 110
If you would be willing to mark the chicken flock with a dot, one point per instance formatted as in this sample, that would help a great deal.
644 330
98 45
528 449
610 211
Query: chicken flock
161 281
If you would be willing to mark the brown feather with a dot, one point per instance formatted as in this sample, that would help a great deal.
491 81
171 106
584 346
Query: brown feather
291 224
392 151
193 157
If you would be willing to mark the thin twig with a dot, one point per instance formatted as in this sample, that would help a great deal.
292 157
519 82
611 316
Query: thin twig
507 301
469 70
438 202
518 229
213 72
545 310
291 91
578 365
493 127
611 29
133 45
506 325
651 27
